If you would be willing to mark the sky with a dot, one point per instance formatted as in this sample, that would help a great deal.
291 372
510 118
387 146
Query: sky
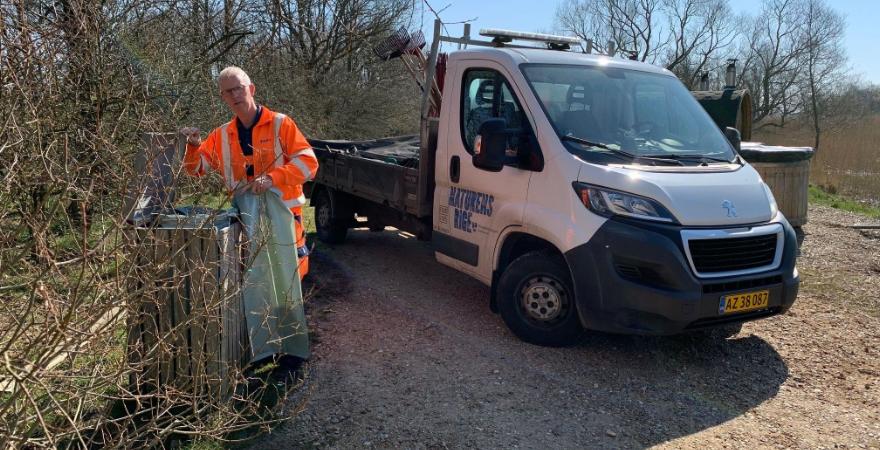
862 32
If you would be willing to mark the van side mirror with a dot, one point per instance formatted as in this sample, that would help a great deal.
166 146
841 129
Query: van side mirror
490 145
732 135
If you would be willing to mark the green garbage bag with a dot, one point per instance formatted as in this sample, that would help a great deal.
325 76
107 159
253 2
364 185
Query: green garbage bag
271 290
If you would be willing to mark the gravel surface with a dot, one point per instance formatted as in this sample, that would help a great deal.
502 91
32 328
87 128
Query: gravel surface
408 355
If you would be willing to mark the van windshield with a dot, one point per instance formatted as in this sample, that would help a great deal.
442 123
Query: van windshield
604 114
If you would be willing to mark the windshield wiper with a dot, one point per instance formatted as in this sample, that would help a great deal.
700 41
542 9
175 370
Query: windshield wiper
699 158
625 154
573 138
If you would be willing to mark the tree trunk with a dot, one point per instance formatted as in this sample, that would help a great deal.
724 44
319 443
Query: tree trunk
815 103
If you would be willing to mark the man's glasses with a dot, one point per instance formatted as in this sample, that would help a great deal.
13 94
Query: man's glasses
233 91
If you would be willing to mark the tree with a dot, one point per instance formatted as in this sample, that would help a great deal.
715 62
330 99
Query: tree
631 24
774 48
685 36
320 33
699 30
824 59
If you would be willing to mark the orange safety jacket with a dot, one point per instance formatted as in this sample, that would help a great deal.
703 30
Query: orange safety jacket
280 151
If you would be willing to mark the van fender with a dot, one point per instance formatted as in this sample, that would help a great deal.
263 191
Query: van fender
549 229
512 242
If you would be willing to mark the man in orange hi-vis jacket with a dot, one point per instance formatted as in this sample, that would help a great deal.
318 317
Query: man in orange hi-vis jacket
258 150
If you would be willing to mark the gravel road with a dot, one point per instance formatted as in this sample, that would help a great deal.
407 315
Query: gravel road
408 355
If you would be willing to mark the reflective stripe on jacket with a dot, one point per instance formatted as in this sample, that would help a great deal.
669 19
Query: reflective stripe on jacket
280 151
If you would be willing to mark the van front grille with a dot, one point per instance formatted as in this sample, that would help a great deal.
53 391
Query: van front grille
733 254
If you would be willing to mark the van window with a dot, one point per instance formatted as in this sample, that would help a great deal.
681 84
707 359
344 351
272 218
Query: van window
661 113
641 113
486 95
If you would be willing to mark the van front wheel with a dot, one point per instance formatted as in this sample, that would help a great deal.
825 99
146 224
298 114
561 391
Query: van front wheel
536 300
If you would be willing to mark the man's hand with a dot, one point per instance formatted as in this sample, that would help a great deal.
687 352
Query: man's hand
261 184
193 135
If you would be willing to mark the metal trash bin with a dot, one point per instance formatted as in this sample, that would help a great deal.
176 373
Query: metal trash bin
787 171
188 329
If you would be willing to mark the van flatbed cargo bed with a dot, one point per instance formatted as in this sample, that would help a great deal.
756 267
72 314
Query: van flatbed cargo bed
400 150
392 172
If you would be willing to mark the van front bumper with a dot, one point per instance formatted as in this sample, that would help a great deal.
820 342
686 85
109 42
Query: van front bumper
633 277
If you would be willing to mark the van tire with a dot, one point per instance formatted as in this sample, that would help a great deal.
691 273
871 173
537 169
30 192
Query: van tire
330 225
537 302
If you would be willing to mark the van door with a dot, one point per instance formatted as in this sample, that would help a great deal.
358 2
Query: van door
472 206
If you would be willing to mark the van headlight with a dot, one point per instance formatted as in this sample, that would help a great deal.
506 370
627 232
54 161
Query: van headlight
608 202
774 208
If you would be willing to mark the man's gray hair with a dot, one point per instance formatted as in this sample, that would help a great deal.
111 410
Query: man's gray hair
233 71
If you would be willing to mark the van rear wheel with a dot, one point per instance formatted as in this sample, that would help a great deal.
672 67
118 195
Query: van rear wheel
330 223
536 300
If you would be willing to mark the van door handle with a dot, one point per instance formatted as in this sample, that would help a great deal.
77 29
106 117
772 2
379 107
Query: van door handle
454 169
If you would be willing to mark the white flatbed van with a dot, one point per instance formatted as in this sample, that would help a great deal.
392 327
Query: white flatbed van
587 191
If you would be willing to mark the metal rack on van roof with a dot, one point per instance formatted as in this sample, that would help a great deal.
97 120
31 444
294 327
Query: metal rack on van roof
503 38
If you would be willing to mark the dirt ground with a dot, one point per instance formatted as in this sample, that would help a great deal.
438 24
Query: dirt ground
408 355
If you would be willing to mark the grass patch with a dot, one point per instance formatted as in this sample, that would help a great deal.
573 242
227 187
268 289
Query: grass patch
820 197
309 218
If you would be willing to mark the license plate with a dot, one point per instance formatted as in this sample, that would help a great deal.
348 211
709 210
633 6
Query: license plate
745 301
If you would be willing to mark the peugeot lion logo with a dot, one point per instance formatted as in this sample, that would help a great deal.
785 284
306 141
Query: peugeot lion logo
731 209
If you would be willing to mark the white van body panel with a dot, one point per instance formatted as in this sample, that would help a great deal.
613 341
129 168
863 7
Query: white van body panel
508 188
554 212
